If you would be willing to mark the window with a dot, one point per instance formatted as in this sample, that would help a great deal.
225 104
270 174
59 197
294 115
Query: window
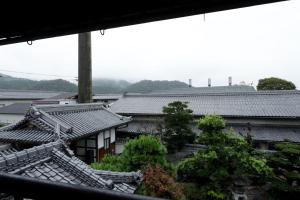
106 143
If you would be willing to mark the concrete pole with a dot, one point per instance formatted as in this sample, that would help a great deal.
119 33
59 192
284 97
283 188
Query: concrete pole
84 68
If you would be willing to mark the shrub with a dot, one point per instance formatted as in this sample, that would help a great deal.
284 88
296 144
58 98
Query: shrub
145 150
286 164
211 124
110 162
137 154
158 183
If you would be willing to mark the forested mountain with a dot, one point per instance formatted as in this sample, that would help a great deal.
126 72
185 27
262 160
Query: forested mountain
8 82
100 85
109 85
149 86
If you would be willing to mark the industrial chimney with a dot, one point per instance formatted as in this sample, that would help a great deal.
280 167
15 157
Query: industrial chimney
209 82
230 81
190 82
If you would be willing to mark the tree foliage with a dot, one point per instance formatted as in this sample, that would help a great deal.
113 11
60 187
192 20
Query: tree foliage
286 165
177 120
145 150
149 86
110 163
158 183
275 84
226 158
137 154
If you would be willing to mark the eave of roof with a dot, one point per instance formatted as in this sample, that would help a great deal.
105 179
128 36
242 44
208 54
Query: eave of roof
109 15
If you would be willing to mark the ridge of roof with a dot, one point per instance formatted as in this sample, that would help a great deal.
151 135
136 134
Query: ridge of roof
53 108
189 94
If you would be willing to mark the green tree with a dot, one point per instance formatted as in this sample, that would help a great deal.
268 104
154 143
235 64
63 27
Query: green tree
177 120
137 154
110 163
226 158
275 84
286 165
145 150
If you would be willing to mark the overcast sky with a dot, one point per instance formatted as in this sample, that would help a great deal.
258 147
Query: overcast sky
247 44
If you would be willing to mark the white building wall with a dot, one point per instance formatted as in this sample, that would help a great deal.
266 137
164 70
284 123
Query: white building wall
100 140
119 147
107 135
112 135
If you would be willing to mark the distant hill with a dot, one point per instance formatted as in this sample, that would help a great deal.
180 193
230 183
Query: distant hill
150 86
109 85
9 82
100 85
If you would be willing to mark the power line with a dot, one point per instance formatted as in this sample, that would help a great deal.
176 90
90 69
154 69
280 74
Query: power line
40 74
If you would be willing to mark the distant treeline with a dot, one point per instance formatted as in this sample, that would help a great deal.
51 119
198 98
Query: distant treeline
99 85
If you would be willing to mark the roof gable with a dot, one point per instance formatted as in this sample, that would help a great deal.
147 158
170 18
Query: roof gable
43 124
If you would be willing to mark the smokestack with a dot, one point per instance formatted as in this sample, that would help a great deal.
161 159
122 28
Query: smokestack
230 81
190 82
84 68
209 82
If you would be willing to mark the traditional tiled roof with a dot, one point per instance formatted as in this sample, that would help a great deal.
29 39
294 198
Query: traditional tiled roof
199 90
47 123
55 162
6 149
15 108
267 104
107 96
31 94
274 134
27 136
149 127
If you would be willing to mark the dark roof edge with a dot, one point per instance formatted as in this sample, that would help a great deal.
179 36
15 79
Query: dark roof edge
187 94
225 116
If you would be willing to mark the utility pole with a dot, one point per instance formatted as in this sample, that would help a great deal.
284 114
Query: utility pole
84 68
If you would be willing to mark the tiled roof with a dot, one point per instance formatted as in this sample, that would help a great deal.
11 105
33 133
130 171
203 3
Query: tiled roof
107 96
31 94
259 133
274 134
213 89
47 123
55 162
27 136
280 104
149 127
6 149
15 108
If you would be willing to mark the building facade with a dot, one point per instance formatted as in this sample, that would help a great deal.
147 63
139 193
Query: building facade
267 116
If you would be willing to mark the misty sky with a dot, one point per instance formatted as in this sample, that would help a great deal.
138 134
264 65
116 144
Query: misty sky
247 44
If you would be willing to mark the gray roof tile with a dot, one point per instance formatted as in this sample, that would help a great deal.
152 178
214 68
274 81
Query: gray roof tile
48 162
15 108
280 104
31 94
199 90
75 121
274 134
